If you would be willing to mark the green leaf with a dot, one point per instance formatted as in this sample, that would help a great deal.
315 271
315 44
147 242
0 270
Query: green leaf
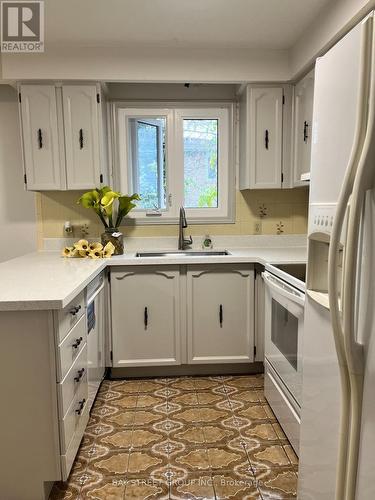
125 206
90 199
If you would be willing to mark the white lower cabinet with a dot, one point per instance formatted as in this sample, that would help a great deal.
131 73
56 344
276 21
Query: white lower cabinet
145 316
169 316
220 314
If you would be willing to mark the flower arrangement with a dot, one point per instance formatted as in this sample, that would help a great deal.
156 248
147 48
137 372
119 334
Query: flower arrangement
84 249
103 201
111 207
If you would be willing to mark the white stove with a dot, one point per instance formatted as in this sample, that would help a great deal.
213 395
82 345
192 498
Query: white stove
284 318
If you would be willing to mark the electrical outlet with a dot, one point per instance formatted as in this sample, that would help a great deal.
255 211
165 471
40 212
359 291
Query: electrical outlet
85 229
258 227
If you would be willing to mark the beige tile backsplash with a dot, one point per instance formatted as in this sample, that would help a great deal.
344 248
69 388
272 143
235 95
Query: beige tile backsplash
285 211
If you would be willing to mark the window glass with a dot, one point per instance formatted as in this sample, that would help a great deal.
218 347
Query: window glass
285 332
200 137
147 159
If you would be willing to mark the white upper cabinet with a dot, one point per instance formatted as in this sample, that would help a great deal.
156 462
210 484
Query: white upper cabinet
81 130
63 143
220 314
41 146
261 124
303 111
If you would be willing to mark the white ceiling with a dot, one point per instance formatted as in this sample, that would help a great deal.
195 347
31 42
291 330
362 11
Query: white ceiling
258 24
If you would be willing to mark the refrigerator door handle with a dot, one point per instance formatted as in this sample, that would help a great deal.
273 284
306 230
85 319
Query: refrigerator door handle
353 349
362 181
342 479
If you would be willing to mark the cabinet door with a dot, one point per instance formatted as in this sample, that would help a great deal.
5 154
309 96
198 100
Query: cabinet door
220 314
81 129
303 105
145 316
266 106
40 137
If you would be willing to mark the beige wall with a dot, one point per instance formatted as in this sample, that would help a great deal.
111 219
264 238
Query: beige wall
288 206
17 206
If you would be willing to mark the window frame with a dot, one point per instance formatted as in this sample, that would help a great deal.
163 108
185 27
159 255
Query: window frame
175 113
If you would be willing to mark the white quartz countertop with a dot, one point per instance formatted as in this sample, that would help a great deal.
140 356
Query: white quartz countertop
45 280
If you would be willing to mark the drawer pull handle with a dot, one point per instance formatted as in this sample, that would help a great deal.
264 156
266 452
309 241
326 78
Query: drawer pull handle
77 343
81 405
74 310
80 138
80 375
305 129
40 138
266 139
221 315
146 317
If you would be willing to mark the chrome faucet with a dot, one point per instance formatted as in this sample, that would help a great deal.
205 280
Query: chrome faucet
182 242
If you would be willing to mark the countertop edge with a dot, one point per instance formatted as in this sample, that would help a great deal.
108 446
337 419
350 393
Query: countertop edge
131 260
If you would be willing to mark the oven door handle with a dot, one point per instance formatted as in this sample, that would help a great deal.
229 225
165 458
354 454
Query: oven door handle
283 289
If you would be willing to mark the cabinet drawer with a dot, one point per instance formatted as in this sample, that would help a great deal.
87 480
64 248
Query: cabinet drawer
68 455
74 379
70 347
71 421
285 411
70 315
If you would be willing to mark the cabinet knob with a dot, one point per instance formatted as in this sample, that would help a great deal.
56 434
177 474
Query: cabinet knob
74 310
77 342
81 405
80 375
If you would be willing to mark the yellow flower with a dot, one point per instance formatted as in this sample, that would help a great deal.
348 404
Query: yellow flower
83 253
67 251
95 246
95 254
82 245
107 201
108 250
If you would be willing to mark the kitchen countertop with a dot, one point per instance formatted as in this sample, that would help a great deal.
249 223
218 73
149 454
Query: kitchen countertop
45 280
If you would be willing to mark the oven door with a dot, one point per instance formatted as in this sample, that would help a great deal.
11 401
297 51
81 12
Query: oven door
284 312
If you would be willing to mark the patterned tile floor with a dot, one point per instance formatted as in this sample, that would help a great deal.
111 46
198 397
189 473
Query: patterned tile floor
182 438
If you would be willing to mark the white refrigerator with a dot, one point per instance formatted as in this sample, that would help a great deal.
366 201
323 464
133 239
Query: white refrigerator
337 442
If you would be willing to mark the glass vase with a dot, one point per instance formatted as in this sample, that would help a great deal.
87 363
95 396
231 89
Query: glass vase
113 235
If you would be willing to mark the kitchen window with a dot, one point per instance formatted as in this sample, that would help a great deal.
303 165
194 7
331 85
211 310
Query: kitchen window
175 157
